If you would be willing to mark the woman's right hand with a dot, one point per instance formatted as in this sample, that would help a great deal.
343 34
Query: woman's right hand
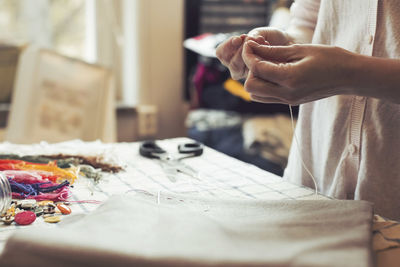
230 51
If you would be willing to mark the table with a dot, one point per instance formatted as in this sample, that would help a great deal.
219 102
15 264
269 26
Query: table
221 177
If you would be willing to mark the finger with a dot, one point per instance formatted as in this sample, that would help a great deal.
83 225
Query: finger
268 90
266 70
226 50
254 33
258 35
263 88
249 57
269 100
237 67
276 53
237 41
258 39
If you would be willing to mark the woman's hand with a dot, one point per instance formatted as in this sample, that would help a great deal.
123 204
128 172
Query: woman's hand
296 74
230 51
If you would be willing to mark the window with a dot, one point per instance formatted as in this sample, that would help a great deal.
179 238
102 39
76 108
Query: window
68 26
117 34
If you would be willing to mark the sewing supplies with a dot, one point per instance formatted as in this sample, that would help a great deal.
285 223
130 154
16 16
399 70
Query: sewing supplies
44 203
48 171
90 201
8 219
30 176
43 178
173 165
64 209
39 211
40 191
40 185
26 211
27 203
52 219
58 167
64 161
25 218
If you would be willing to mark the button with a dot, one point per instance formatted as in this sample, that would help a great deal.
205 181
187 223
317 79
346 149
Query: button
28 203
371 39
53 219
64 209
25 218
352 148
8 219
360 98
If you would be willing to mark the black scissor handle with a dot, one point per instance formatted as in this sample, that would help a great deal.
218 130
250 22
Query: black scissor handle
150 149
194 148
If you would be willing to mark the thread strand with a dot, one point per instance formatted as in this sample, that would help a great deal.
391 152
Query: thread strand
299 152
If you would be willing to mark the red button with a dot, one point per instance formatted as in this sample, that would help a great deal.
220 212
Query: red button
25 218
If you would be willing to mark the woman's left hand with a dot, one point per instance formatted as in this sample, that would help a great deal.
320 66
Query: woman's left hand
296 74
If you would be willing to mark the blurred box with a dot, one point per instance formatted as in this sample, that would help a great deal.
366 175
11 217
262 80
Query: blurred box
9 56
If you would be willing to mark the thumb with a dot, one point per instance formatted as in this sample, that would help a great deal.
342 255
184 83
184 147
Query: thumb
275 53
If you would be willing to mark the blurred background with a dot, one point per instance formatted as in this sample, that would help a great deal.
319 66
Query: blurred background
130 70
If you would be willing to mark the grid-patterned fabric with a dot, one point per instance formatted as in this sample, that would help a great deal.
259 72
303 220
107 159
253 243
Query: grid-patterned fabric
220 177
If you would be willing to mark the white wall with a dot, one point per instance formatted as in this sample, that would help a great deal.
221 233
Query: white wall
160 57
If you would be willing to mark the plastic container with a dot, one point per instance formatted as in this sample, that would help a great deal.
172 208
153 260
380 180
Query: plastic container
5 193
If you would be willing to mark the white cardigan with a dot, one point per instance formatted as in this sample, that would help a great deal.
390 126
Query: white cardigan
350 143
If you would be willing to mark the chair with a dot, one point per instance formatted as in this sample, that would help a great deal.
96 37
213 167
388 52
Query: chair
57 98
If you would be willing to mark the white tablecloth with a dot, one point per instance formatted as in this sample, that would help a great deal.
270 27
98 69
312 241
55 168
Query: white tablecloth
222 177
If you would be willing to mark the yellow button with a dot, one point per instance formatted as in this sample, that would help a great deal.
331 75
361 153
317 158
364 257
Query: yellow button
52 219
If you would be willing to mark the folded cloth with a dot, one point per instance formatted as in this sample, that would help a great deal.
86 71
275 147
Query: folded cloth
149 230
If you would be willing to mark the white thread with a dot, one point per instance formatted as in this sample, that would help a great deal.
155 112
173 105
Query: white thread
299 152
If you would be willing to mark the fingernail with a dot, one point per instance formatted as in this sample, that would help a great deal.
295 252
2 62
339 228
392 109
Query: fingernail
237 41
260 40
252 43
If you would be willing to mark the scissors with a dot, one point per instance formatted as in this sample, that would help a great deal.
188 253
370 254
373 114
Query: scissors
173 165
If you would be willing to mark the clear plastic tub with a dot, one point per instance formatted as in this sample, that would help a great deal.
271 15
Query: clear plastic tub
5 193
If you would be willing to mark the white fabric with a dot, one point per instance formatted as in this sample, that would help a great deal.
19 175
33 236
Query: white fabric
351 143
172 230
222 177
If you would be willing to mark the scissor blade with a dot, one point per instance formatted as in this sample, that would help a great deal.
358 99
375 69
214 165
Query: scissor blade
171 177
173 167
185 169
169 171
